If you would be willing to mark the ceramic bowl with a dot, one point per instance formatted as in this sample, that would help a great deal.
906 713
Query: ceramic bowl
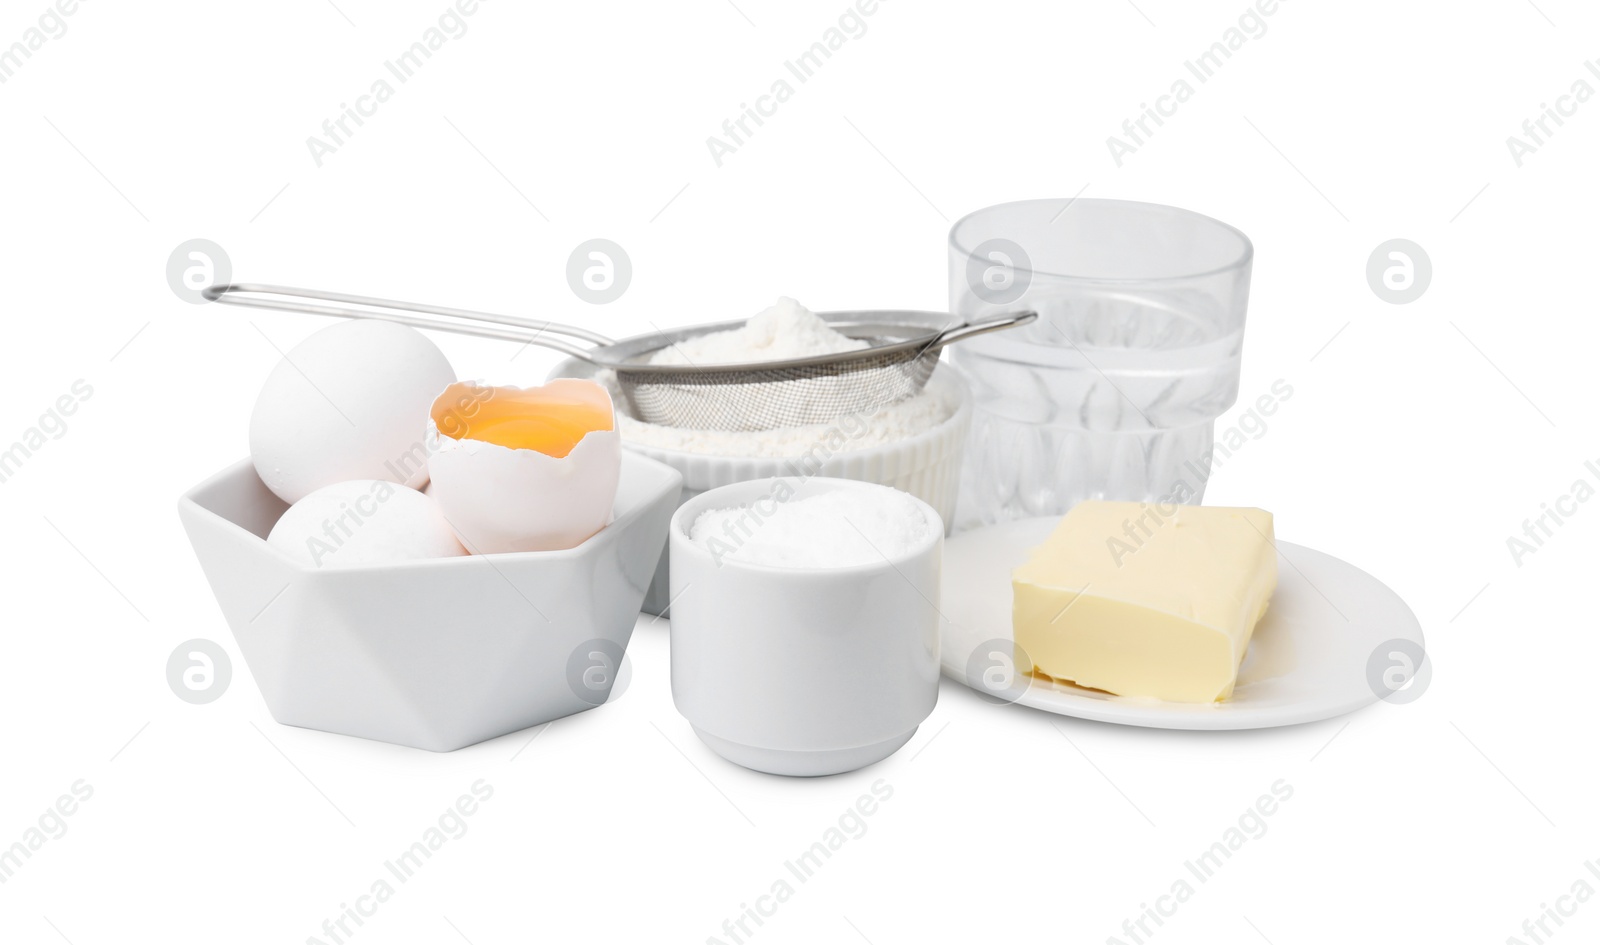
436 654
802 671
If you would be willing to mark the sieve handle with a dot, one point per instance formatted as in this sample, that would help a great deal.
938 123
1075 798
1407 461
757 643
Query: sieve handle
979 326
531 331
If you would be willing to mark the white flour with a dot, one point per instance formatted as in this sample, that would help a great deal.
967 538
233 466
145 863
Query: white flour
837 529
786 330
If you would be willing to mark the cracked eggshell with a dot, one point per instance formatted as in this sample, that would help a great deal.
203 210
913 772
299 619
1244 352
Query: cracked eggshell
349 402
500 499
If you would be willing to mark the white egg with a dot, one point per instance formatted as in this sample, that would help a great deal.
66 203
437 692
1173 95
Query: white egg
502 499
349 402
362 522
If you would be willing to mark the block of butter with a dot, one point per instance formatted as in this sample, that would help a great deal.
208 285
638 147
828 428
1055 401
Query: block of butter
1144 599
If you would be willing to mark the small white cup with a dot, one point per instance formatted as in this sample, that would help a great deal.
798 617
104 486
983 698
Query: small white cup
802 671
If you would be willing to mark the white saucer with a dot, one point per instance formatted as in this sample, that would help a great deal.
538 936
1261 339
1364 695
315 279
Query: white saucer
1318 653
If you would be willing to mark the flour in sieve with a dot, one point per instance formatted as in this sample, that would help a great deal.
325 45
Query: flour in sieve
782 331
785 330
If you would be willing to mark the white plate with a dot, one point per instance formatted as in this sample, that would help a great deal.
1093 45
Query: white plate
1308 660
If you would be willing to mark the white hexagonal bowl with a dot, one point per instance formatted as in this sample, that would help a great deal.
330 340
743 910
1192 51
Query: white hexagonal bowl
436 654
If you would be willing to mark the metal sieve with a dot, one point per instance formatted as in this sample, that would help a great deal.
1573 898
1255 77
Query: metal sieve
903 351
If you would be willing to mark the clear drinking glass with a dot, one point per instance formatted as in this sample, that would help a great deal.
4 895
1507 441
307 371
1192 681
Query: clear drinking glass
1112 393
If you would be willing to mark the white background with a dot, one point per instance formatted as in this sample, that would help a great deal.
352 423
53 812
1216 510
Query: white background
1418 439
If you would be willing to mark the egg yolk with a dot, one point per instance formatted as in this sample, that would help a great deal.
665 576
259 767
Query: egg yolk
550 419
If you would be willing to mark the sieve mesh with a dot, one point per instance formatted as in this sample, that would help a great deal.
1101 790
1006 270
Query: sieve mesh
785 395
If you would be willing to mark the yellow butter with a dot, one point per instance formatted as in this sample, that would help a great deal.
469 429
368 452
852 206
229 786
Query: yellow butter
1142 599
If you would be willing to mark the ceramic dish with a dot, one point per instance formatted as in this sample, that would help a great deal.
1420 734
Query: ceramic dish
927 465
435 654
1308 660
802 671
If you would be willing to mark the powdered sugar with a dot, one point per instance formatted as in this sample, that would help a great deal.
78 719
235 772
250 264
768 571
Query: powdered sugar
842 528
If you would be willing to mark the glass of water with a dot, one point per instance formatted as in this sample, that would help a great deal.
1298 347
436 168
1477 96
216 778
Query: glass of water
1112 393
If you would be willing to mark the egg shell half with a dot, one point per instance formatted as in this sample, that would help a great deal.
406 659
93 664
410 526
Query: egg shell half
502 500
349 402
